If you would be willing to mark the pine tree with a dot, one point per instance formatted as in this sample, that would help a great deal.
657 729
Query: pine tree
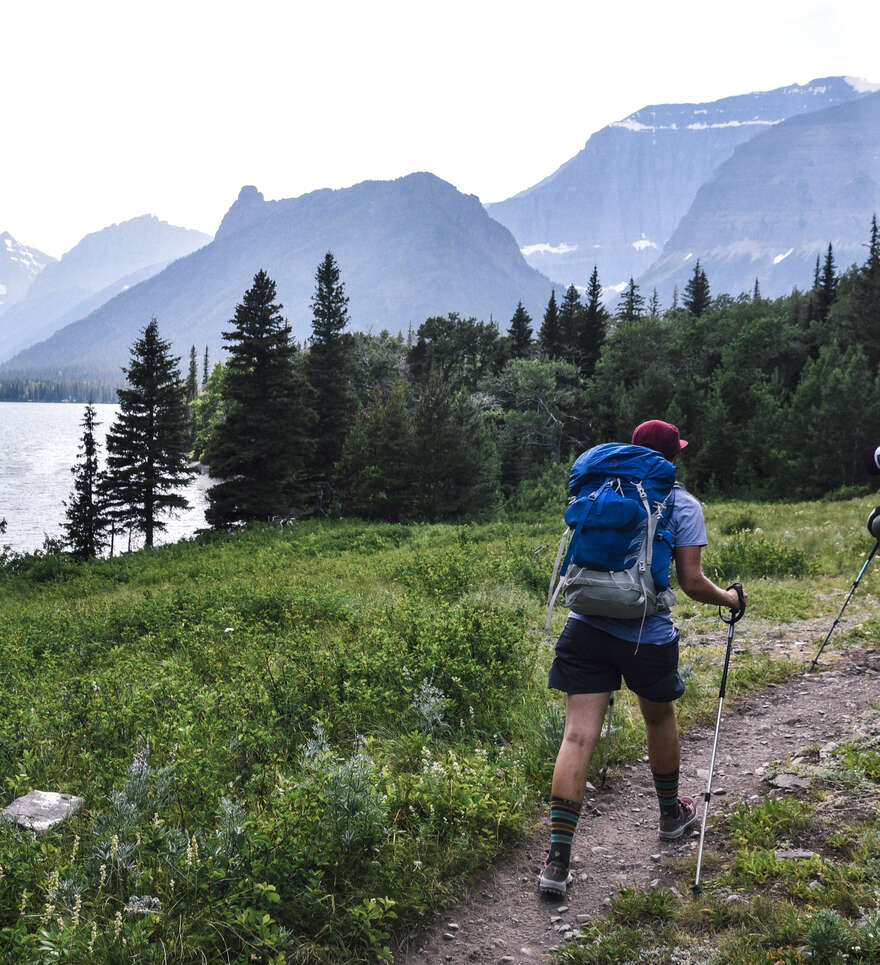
675 297
631 305
192 379
86 512
570 312
594 326
756 294
148 442
205 371
260 449
864 309
520 333
654 304
330 367
826 290
192 393
550 335
696 293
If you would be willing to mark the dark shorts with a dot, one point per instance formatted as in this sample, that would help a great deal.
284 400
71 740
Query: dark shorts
590 661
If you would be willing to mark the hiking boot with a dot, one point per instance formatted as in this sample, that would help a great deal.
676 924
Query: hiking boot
673 828
555 878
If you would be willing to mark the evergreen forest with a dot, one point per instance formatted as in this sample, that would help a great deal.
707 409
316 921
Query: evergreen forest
459 419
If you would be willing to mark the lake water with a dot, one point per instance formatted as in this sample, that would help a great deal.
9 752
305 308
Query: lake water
38 446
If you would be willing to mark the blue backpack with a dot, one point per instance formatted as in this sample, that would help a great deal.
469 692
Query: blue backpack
620 547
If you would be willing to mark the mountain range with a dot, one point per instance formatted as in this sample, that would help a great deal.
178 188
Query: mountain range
407 249
778 202
754 186
618 201
97 268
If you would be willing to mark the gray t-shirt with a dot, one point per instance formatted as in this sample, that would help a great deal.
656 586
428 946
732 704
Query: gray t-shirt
688 528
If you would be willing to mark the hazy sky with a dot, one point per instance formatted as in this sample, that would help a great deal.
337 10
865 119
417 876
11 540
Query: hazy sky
109 110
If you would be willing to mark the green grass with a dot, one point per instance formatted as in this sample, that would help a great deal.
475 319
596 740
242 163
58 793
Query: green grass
293 742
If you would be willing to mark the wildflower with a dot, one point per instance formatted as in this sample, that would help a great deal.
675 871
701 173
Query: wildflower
229 630
171 885
103 877
91 945
117 925
114 844
189 854
77 906
48 912
155 820
23 905
1 872
74 849
137 839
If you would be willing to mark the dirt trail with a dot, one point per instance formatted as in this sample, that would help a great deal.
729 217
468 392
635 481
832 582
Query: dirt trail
503 919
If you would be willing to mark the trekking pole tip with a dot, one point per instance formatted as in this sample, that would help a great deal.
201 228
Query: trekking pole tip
696 889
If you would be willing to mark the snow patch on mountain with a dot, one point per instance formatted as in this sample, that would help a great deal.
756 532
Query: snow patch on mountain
862 86
547 249
700 126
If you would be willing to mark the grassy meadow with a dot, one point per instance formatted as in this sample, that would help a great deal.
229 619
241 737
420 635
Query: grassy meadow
295 742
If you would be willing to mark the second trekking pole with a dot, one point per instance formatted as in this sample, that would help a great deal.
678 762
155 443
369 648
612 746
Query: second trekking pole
735 616
874 530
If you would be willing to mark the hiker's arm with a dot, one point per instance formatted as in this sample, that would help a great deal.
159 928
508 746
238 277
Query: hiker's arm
694 582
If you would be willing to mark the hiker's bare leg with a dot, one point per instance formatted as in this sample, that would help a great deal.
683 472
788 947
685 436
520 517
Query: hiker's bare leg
584 714
662 729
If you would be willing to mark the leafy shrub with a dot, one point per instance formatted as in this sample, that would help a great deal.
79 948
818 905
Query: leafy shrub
828 937
749 553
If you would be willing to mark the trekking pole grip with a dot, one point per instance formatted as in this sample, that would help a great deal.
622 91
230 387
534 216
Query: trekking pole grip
738 613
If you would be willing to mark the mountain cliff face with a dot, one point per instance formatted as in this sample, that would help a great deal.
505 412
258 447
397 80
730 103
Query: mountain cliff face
101 265
407 249
19 266
617 202
777 203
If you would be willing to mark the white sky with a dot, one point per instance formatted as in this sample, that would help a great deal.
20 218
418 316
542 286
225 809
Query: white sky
109 110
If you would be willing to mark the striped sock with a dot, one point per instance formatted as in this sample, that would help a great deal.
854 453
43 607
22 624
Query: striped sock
563 821
666 786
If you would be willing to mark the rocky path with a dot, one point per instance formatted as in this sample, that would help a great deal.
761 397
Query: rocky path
503 919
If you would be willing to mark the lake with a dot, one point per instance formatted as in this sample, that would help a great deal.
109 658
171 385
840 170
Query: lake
38 446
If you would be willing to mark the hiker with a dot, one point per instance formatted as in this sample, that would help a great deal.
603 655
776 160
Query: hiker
593 653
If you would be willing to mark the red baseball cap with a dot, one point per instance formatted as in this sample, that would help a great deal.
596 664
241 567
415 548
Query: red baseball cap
659 435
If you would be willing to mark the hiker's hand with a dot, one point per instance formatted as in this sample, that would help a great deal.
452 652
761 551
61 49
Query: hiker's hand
739 599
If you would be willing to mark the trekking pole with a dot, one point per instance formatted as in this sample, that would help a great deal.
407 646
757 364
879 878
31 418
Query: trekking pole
603 773
735 617
874 530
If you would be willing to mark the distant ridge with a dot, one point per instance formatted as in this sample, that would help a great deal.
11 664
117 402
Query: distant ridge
777 203
19 266
617 202
93 271
407 249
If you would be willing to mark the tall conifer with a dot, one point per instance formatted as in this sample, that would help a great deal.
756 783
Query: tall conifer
86 513
520 333
260 449
550 335
148 442
330 368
